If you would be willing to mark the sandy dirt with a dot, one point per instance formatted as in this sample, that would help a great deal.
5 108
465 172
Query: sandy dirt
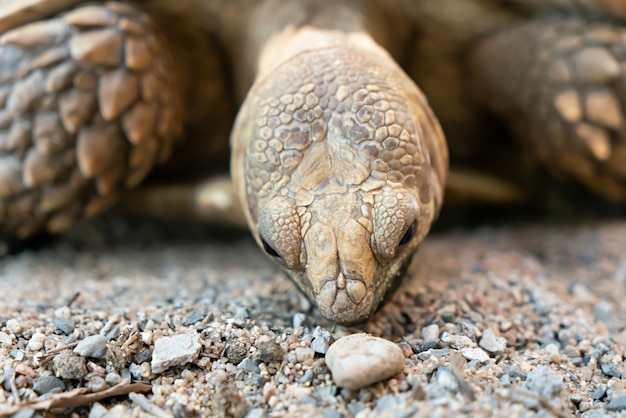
511 321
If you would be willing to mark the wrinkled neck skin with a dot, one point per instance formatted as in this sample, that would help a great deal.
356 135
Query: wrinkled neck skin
339 164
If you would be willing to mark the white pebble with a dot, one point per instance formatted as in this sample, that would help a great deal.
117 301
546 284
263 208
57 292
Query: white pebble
36 342
175 351
491 343
359 360
477 354
14 326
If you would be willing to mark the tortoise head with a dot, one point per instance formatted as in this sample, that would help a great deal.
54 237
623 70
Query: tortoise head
339 165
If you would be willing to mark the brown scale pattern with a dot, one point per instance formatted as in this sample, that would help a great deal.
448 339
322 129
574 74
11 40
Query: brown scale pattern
352 104
564 94
88 104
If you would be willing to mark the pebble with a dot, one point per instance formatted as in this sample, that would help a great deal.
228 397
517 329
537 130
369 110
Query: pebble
491 343
235 353
552 350
617 404
457 341
175 351
249 365
610 369
65 325
36 342
544 381
46 384
5 339
321 340
269 351
359 360
430 332
477 354
194 317
14 326
303 354
94 346
68 365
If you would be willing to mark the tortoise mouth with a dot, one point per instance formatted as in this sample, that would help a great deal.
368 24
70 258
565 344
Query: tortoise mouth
346 301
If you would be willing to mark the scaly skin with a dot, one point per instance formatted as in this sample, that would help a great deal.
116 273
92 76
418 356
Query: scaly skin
340 165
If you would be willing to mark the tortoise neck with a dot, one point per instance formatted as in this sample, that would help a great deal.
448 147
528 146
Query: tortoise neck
277 30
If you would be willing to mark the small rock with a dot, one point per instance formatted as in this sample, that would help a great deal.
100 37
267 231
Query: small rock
256 413
143 356
604 311
94 346
600 392
5 339
36 342
175 351
552 350
446 379
194 317
491 343
610 369
430 332
477 354
65 325
113 333
68 365
321 340
455 341
269 351
63 312
249 365
303 354
545 382
14 326
46 384
96 383
299 320
594 413
97 411
617 404
235 353
359 360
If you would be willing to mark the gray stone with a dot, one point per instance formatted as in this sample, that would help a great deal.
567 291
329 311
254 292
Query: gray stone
359 360
610 370
545 382
194 317
321 340
491 343
617 404
175 351
249 365
94 346
45 384
65 325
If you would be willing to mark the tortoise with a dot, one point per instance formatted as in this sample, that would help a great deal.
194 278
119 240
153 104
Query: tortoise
338 161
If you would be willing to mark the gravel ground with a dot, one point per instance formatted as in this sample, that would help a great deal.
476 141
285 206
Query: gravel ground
514 321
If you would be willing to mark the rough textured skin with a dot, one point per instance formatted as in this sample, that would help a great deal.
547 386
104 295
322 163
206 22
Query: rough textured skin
562 90
89 103
337 157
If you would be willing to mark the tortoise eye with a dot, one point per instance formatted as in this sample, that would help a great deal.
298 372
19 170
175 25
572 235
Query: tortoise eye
409 234
270 251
